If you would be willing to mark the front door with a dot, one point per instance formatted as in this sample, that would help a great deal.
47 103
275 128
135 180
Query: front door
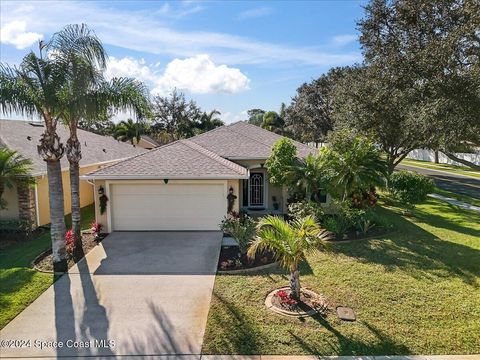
257 190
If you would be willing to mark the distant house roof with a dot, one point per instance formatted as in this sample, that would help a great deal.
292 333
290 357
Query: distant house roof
206 156
23 136
147 142
182 159
242 140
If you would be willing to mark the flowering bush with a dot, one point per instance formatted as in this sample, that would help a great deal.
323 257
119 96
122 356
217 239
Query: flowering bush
70 241
286 299
96 228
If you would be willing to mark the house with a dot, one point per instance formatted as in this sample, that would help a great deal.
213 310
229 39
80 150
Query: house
184 185
147 142
31 204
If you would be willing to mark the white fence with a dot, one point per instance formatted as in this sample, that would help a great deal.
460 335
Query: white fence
429 155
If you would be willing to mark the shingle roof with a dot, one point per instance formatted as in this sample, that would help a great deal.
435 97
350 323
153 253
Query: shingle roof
181 159
242 140
24 137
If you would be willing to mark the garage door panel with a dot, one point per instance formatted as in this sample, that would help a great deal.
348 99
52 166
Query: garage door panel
167 206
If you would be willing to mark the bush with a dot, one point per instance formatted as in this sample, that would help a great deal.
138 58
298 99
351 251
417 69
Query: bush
241 227
409 187
301 209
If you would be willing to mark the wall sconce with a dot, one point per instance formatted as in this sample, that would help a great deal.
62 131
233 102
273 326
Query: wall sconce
165 181
261 165
101 190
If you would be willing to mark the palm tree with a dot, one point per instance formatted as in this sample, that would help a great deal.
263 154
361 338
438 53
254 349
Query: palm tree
128 131
307 177
210 121
37 87
290 241
14 169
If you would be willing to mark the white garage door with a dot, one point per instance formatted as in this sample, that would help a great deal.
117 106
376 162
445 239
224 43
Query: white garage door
159 206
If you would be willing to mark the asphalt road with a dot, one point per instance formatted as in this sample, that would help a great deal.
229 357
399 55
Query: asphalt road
459 184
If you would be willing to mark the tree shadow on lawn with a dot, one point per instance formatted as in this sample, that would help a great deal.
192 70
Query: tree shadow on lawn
349 346
417 252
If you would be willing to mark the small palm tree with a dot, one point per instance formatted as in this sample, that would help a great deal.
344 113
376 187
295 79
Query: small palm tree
14 169
128 131
290 241
307 177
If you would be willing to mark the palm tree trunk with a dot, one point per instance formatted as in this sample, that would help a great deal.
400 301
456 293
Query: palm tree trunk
295 284
2 189
57 211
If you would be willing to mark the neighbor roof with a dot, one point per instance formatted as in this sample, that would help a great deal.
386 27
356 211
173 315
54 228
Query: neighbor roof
23 136
242 140
182 159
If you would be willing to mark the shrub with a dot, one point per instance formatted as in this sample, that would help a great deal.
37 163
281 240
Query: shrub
282 157
301 209
409 187
241 227
70 241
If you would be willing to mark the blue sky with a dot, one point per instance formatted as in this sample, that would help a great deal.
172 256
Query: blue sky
231 56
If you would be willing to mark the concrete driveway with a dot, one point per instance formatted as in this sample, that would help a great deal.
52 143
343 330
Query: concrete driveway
137 293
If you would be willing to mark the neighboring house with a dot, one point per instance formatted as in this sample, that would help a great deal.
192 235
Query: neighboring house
184 185
32 203
147 142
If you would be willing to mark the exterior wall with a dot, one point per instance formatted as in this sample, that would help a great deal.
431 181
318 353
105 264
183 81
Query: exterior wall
12 211
100 218
86 193
235 184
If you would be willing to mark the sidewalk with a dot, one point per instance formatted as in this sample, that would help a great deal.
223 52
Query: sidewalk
458 203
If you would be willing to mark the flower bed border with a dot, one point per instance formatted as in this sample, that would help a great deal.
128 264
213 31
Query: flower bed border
248 270
269 305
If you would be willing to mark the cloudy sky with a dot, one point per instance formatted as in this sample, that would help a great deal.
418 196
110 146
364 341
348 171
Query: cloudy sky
231 56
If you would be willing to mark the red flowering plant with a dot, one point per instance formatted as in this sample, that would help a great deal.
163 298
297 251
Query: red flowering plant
286 299
96 227
70 242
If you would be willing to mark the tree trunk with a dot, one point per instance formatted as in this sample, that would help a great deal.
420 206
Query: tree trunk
2 189
295 284
57 219
436 157
74 156
462 161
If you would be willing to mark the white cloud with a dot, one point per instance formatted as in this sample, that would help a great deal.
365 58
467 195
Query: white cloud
130 67
344 39
14 33
229 117
200 75
255 13
146 31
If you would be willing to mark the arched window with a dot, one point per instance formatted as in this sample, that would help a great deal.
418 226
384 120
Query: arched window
256 189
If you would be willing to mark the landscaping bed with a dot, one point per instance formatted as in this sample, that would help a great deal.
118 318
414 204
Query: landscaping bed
309 304
356 235
231 259
44 262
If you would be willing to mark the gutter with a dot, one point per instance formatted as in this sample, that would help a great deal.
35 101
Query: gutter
163 177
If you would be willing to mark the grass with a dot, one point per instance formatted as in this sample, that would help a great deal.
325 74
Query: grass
20 285
462 170
415 291
460 197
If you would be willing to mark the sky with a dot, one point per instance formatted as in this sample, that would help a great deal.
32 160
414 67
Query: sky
226 55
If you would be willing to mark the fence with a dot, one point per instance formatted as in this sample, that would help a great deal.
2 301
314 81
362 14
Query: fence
429 155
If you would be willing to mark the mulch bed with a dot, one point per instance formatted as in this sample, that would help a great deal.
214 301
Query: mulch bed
231 259
44 262
309 302
357 235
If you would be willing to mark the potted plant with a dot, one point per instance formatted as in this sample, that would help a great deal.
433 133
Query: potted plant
276 204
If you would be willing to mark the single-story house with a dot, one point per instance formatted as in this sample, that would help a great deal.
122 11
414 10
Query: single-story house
190 184
31 203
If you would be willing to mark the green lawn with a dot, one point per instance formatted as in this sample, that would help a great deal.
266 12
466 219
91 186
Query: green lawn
462 170
19 283
415 291
460 197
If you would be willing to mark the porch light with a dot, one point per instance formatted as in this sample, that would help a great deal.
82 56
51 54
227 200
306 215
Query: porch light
165 181
101 190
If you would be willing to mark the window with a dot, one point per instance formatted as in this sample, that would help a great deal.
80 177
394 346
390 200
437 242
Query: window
256 189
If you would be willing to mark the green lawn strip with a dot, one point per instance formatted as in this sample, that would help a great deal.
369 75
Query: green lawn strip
442 167
459 197
415 291
20 285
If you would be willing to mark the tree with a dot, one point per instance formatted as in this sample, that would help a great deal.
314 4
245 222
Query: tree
291 242
14 169
430 50
306 178
128 131
36 88
280 161
103 126
255 116
209 121
272 121
175 116
309 115
352 163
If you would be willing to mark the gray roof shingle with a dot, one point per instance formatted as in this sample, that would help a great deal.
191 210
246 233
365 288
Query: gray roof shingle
181 159
24 137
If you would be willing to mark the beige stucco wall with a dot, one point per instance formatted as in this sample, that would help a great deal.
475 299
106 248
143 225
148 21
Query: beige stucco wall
10 196
86 193
100 218
235 184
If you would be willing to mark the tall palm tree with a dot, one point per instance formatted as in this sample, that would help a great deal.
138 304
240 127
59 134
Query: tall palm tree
14 169
210 121
37 87
290 241
128 131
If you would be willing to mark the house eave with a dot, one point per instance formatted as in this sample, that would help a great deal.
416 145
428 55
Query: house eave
163 177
